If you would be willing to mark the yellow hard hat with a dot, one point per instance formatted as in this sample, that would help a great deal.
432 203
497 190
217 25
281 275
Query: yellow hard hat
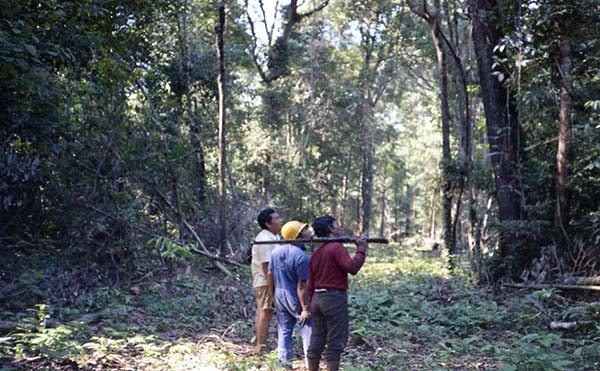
292 229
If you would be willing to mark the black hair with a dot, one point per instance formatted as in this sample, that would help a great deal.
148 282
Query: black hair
322 225
265 216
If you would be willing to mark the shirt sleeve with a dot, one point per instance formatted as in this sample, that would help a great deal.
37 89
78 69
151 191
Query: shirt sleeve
302 268
350 265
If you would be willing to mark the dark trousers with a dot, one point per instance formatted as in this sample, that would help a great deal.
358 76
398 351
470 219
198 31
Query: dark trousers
329 313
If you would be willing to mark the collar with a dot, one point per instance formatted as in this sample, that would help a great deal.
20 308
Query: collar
300 246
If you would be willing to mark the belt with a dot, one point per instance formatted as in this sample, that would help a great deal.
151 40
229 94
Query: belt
321 290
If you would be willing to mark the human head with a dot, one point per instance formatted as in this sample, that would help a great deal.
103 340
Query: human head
325 226
294 229
270 220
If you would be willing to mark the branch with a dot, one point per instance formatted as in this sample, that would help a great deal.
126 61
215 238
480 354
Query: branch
294 18
423 13
253 55
152 234
560 287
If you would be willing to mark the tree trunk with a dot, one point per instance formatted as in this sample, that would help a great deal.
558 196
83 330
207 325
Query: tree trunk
367 171
219 30
408 211
501 116
433 209
464 127
449 239
433 20
195 140
382 225
344 199
563 154
395 227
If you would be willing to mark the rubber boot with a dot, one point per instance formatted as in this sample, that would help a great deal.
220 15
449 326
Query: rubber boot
313 364
333 365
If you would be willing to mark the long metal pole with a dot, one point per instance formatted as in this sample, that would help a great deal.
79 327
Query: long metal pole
322 240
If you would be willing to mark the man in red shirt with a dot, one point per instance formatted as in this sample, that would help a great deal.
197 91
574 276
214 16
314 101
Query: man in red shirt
327 286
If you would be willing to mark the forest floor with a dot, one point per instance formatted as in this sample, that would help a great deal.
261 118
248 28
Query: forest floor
407 313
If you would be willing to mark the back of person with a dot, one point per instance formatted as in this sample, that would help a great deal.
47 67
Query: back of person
330 265
288 265
260 254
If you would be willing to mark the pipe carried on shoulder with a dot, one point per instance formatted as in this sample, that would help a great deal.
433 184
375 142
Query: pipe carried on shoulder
322 240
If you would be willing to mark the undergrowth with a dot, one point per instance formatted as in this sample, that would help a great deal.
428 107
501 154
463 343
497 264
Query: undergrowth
407 312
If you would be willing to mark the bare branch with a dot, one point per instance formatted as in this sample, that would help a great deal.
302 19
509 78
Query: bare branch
253 55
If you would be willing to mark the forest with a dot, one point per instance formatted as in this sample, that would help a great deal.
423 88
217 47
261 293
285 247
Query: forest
140 139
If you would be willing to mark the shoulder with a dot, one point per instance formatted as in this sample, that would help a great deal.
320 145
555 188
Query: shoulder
297 252
334 246
265 235
278 250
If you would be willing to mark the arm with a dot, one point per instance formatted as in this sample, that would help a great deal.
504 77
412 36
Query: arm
302 292
269 276
352 265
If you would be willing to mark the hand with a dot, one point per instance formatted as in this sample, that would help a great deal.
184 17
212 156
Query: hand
304 316
361 242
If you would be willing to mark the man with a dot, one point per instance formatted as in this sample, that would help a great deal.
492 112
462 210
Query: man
327 285
289 270
270 222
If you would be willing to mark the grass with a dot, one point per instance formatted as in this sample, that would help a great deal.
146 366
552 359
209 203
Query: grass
407 313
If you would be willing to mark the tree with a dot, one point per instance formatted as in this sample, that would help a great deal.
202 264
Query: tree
276 50
433 20
219 30
502 121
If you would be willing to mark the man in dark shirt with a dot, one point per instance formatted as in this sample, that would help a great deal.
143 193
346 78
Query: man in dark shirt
327 285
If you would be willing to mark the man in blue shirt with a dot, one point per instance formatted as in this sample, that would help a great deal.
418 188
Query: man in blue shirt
288 267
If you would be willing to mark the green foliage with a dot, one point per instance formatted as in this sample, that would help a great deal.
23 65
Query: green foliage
35 337
171 250
405 309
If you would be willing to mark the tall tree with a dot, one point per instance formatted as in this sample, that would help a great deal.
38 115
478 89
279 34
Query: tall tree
433 20
564 151
379 38
219 31
187 101
502 121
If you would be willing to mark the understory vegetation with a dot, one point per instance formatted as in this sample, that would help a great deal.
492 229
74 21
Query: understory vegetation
407 312
139 140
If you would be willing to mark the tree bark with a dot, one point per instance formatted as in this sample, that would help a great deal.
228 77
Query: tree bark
500 113
408 211
436 35
344 199
219 30
563 154
367 171
367 174
382 225
432 214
